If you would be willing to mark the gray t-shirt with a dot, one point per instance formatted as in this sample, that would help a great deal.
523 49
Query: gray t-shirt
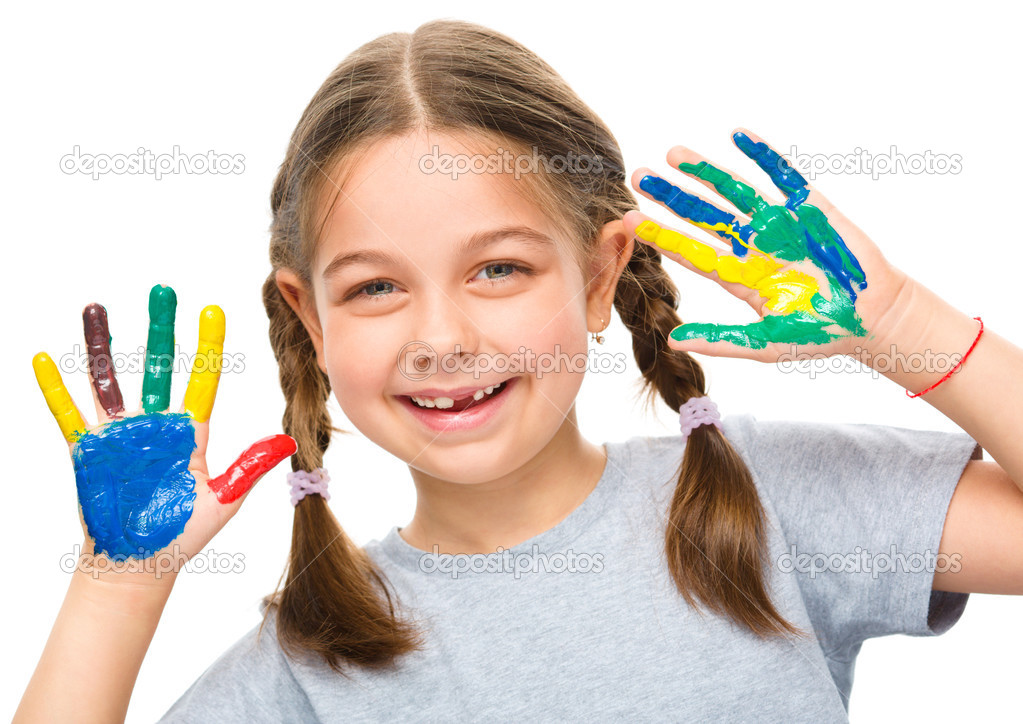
583 621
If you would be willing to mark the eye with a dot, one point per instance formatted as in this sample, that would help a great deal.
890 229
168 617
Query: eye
508 267
378 289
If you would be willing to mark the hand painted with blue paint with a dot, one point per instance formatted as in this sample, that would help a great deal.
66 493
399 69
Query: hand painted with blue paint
811 275
142 479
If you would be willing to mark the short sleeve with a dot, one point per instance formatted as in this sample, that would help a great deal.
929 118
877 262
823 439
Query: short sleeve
861 509
250 683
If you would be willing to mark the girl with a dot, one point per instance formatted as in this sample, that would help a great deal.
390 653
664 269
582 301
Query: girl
449 221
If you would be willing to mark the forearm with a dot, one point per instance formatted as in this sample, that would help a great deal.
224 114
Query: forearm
90 662
984 396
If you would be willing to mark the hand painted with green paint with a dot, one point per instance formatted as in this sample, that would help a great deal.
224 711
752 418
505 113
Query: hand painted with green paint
815 279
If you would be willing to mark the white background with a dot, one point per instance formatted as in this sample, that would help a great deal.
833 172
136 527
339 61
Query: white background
235 80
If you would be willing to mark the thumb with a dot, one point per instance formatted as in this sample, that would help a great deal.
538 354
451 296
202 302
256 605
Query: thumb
260 457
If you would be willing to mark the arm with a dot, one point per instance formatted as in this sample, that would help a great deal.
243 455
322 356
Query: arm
816 279
88 668
985 396
984 524
984 531
147 504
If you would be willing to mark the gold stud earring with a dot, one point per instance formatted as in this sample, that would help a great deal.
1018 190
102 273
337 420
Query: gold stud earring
599 338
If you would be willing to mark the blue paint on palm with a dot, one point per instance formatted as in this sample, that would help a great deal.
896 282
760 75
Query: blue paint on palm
133 482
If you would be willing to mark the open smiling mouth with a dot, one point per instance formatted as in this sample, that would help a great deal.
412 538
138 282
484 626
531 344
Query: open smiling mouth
449 406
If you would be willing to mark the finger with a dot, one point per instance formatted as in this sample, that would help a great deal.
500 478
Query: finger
784 290
722 349
776 230
72 426
250 466
101 366
788 180
825 245
202 385
794 328
634 219
698 212
706 258
156 384
812 195
732 187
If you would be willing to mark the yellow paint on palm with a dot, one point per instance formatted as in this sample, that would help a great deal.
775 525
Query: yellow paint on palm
202 385
785 291
72 426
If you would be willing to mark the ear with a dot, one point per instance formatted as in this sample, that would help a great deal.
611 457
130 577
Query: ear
301 300
614 249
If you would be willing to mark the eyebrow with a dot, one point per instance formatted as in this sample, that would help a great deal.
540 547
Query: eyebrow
476 242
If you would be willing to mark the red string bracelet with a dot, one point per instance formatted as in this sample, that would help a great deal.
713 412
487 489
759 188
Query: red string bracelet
957 365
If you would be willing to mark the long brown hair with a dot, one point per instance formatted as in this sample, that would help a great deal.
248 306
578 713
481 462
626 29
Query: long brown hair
458 76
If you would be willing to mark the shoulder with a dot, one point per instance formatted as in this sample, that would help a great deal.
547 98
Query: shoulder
794 457
814 448
656 456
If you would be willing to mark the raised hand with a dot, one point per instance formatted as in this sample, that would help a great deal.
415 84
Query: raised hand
142 478
802 266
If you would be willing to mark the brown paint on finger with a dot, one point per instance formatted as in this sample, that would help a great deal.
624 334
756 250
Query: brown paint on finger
101 366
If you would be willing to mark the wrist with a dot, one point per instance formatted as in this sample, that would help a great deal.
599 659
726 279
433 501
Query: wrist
928 340
121 598
144 583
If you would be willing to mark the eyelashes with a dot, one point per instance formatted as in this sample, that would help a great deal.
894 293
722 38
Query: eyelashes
517 269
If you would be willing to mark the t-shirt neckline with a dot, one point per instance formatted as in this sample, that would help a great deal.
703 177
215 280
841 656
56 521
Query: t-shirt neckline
551 540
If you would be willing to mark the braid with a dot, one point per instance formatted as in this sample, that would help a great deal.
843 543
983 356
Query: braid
647 302
334 601
715 538
305 386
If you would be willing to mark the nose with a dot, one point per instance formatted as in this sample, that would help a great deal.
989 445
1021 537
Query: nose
446 324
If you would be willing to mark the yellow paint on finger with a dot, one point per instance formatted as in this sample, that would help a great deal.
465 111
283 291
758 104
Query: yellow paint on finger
747 272
72 426
785 291
202 385
702 256
721 228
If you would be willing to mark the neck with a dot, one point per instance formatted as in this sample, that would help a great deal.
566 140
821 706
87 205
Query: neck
479 518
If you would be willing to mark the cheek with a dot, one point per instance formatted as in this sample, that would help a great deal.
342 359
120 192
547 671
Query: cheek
552 333
358 363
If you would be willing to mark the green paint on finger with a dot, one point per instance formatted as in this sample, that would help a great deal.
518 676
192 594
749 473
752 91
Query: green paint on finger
156 384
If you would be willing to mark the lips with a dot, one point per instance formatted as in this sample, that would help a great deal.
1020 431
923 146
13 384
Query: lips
453 394
465 414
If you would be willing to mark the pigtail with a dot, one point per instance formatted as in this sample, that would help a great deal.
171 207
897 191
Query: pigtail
715 540
334 602
466 78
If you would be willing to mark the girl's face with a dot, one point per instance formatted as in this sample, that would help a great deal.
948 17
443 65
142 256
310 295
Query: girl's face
416 265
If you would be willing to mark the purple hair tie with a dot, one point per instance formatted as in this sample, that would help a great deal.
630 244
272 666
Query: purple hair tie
303 484
698 411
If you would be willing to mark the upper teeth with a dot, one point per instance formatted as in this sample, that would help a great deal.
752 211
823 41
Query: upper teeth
446 402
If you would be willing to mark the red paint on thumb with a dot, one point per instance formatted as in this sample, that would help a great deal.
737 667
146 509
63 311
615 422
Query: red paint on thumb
259 458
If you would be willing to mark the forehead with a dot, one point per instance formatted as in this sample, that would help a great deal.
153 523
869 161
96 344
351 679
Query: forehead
427 188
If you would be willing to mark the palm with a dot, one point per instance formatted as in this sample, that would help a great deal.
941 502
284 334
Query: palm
802 266
142 479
